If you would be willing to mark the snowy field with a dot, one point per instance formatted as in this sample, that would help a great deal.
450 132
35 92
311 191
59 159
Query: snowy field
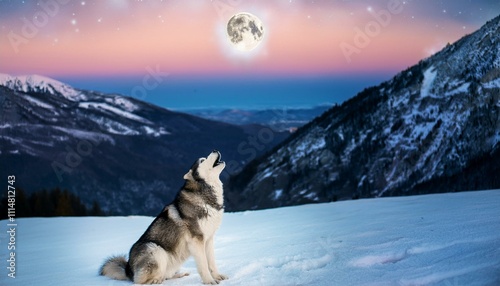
444 239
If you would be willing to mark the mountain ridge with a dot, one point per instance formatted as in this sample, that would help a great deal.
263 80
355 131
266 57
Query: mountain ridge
127 154
428 122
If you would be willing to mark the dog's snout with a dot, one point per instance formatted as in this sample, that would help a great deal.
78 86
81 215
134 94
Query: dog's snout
215 151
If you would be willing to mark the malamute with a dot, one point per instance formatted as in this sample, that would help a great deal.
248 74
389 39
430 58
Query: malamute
185 227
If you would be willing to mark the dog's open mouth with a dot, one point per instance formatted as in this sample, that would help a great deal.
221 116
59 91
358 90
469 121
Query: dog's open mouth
218 160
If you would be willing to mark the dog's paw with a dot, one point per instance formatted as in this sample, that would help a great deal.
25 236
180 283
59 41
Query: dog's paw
220 277
210 282
179 275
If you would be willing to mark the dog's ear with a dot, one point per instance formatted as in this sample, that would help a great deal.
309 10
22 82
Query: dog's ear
188 175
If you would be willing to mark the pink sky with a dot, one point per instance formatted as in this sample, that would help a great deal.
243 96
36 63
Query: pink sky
188 37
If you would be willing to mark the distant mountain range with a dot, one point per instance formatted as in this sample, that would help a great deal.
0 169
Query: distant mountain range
128 155
433 127
283 119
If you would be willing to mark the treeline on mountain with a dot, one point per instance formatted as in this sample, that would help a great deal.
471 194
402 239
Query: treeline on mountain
48 204
482 173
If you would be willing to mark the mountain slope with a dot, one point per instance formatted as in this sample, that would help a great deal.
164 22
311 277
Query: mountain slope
388 241
128 155
429 123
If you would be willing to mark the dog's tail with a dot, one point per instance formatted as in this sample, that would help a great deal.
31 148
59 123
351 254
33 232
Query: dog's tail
114 268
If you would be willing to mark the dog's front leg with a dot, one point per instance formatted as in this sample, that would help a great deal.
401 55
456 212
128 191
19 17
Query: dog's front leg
197 249
209 248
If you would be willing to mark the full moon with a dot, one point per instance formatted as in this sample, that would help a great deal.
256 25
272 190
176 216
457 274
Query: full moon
245 31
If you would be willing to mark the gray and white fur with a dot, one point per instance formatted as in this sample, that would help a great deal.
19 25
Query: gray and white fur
185 227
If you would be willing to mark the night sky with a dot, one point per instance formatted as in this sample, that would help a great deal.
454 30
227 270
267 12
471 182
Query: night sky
313 52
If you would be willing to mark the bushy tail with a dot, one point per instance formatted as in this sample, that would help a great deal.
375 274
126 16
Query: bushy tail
114 268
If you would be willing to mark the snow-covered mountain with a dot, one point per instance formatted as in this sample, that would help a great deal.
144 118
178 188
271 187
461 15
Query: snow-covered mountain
434 124
128 155
41 84
444 239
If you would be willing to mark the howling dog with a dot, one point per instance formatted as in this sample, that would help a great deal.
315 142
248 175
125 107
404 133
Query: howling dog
185 227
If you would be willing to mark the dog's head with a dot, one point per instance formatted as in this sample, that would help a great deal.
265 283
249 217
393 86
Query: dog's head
207 169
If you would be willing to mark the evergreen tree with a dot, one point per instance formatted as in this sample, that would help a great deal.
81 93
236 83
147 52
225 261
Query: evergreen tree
96 210
23 207
63 206
48 204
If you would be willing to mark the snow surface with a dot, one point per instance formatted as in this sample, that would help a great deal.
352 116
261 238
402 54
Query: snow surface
114 110
444 239
38 102
429 77
460 89
87 135
493 84
123 103
307 147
